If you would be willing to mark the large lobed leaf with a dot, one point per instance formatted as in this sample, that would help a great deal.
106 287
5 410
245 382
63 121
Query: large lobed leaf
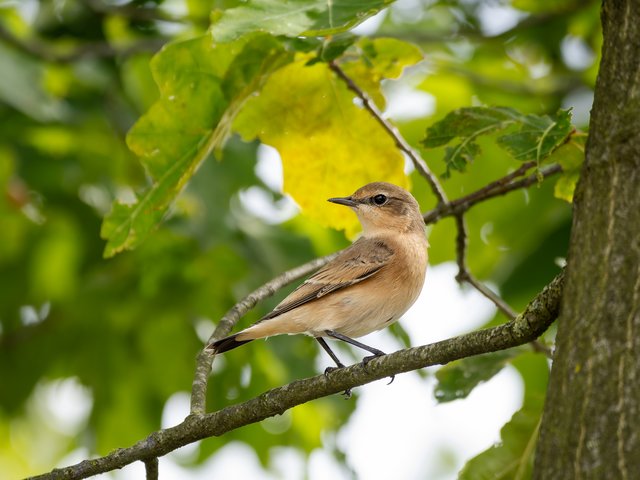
202 88
329 146
293 18
528 137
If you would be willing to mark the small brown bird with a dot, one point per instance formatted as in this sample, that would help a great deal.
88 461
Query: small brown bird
365 288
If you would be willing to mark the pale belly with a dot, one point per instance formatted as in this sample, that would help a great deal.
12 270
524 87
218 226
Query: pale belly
359 312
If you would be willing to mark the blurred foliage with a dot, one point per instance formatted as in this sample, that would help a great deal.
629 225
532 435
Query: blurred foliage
124 332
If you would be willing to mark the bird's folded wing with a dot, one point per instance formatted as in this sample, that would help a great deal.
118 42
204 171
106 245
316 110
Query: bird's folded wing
361 261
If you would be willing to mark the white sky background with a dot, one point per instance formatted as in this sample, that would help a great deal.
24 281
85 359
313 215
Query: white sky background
397 431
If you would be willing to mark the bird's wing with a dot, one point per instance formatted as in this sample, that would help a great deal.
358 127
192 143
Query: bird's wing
361 261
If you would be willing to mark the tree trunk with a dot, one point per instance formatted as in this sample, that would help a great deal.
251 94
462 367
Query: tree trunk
591 423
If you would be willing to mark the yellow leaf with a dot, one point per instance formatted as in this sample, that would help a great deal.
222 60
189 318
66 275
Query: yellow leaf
329 146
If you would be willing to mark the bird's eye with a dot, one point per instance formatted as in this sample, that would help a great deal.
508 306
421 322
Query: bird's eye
380 199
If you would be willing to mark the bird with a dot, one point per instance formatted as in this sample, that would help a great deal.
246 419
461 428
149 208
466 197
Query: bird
365 288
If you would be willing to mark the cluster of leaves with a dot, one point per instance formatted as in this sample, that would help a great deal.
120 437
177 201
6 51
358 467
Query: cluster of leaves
81 86
205 89
535 138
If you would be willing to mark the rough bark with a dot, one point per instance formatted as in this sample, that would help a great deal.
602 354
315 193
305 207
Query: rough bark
591 422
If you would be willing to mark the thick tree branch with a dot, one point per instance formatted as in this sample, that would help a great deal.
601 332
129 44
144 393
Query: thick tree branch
536 318
229 320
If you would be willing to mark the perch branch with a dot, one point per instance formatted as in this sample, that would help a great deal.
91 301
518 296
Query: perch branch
529 325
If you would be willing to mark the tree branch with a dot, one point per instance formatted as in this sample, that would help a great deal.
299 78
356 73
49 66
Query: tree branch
536 318
464 275
151 468
497 188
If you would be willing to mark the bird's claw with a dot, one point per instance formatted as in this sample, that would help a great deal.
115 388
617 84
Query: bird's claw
366 360
327 372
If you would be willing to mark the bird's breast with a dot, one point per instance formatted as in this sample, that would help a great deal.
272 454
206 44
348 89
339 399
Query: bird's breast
385 297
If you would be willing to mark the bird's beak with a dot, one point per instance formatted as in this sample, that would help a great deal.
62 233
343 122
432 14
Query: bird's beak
348 201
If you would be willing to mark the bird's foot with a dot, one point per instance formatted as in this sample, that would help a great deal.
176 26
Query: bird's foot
327 372
366 360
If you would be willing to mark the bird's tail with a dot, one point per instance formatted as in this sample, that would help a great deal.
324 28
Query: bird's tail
227 343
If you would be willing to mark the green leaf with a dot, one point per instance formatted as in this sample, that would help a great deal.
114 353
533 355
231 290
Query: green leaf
457 379
294 18
543 6
512 458
333 47
537 137
377 59
21 87
202 88
570 157
467 124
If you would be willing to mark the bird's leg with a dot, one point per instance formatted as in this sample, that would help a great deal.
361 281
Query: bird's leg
328 370
355 343
333 356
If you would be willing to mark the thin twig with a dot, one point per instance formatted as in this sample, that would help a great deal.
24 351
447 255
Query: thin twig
497 189
540 347
229 320
418 162
151 468
528 326
464 275
490 294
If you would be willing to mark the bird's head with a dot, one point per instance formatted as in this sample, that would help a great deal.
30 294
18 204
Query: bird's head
384 208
